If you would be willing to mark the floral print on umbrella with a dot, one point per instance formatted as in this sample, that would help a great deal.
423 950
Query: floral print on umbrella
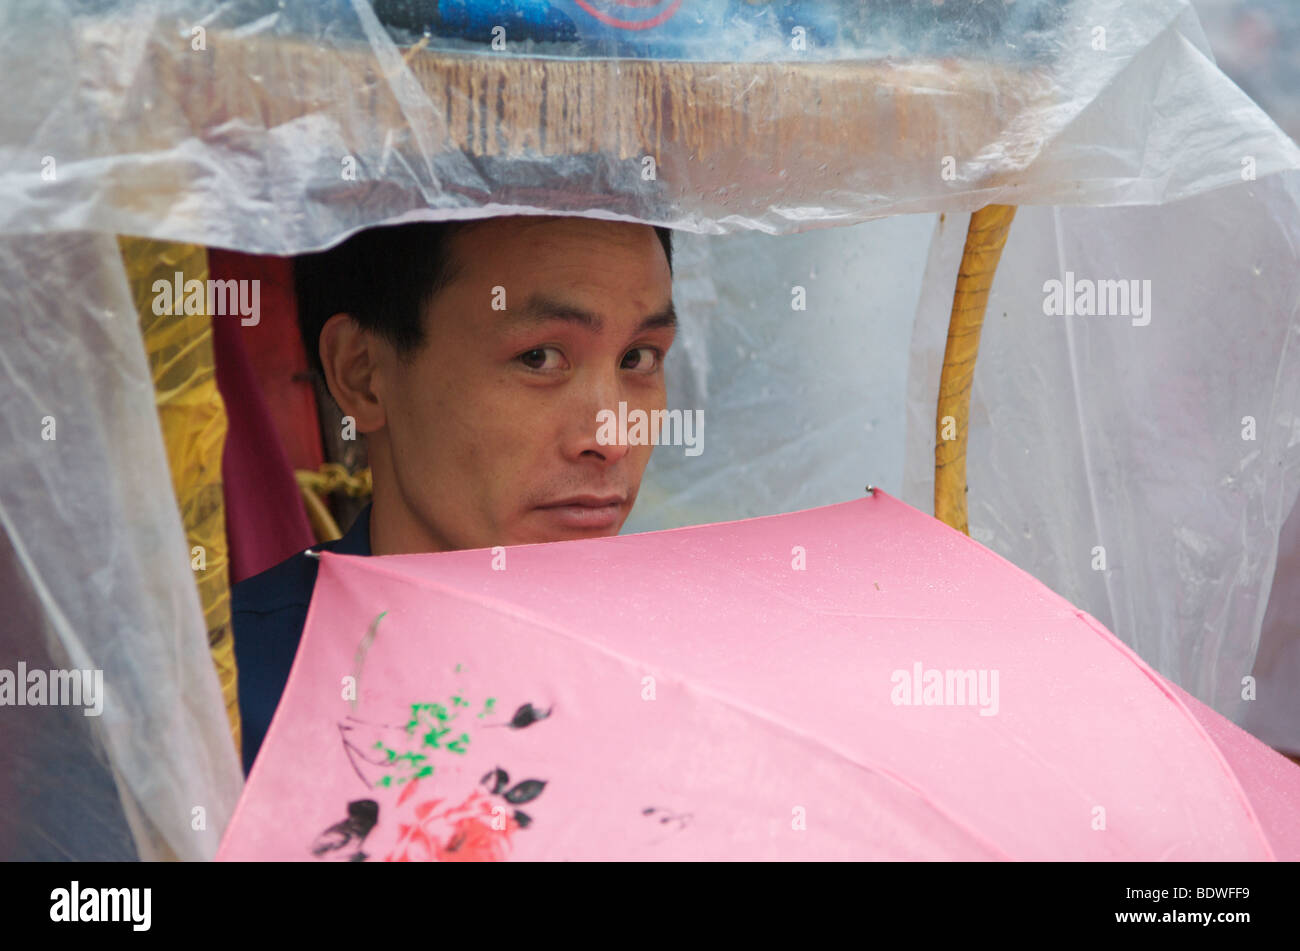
430 826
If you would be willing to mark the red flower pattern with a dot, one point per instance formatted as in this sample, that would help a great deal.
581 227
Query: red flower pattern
472 831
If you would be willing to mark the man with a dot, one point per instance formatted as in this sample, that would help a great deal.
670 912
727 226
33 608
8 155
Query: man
475 357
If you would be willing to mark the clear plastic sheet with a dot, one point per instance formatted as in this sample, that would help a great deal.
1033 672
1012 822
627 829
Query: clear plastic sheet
279 129
246 142
97 577
801 407
1256 42
1097 431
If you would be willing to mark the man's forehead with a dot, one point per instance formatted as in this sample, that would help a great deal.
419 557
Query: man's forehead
557 281
541 307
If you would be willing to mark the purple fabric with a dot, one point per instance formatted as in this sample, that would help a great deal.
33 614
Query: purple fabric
266 521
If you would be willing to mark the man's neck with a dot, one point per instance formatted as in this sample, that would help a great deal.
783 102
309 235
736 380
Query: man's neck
395 529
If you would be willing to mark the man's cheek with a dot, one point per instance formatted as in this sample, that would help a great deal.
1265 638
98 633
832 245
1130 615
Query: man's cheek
469 422
640 457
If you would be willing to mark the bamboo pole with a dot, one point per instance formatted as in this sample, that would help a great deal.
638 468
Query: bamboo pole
985 239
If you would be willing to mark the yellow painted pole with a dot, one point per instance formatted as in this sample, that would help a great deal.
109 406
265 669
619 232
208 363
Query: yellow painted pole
985 238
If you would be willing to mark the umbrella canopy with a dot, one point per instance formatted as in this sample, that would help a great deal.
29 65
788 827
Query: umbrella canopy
853 681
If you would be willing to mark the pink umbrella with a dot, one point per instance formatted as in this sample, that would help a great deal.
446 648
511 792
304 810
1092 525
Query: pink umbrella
851 682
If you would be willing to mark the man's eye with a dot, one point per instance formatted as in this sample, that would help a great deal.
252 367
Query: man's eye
538 359
641 359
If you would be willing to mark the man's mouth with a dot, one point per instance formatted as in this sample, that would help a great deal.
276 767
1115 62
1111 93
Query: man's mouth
585 511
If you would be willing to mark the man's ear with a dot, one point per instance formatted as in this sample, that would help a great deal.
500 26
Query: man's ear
350 356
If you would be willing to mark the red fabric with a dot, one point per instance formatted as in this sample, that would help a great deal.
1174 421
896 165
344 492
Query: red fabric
274 350
265 518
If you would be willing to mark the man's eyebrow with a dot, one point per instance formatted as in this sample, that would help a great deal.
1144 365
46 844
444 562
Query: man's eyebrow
541 307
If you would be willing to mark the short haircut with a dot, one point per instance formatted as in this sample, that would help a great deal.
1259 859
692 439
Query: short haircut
384 277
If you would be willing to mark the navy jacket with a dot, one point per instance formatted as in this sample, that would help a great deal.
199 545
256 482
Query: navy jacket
268 612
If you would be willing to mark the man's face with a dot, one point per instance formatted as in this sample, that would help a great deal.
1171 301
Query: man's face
492 424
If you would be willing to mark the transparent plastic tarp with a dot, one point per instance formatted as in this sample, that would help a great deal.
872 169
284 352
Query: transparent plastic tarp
1255 43
96 578
1142 465
292 126
802 407
280 129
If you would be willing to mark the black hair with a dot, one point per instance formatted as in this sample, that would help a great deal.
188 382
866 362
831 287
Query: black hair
383 277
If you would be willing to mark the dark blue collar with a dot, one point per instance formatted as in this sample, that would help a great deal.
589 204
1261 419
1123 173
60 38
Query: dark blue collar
357 539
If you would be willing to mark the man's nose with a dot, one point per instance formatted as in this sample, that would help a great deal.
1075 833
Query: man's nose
598 430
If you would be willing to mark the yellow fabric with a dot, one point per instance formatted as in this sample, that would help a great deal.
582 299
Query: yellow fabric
332 477
193 417
985 238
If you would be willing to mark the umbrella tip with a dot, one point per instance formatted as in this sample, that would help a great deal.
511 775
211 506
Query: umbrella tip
312 554
871 490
